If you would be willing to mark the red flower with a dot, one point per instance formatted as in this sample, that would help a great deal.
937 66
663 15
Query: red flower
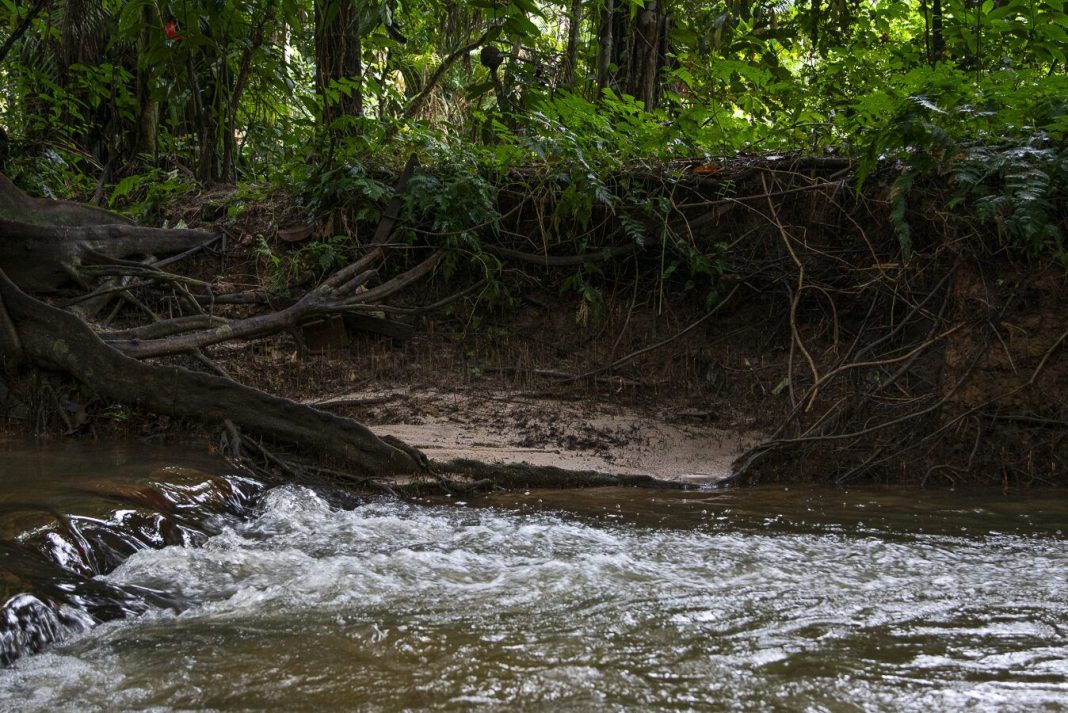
171 28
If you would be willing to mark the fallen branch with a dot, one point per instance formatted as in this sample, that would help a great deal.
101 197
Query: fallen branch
560 260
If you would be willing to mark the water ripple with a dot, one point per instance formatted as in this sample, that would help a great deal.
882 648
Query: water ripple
394 606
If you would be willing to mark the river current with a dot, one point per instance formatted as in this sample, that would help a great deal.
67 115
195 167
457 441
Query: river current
599 600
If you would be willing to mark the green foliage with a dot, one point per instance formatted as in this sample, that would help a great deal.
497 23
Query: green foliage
146 196
346 187
584 284
52 172
317 257
454 195
231 93
322 256
1021 190
277 267
1001 140
899 193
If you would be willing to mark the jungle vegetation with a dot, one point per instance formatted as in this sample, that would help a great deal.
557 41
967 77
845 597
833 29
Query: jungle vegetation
860 160
132 103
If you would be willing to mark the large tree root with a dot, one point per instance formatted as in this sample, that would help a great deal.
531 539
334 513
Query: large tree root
16 205
43 242
42 257
53 339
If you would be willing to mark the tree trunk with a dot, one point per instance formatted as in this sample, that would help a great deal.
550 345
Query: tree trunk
938 42
148 121
82 41
643 71
637 49
814 32
606 45
205 122
338 62
574 25
259 34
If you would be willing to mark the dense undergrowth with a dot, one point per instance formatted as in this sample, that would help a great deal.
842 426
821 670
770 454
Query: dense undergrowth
142 105
996 153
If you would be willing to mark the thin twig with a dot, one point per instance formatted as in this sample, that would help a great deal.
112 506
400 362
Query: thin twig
1046 356
634 355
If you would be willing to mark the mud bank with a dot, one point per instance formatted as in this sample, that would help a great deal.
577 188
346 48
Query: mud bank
778 329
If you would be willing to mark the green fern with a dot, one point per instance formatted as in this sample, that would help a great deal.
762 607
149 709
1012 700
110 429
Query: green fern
1018 188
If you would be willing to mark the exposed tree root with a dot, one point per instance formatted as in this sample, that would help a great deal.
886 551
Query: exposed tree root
44 242
55 339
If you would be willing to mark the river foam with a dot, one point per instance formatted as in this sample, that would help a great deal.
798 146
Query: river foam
393 606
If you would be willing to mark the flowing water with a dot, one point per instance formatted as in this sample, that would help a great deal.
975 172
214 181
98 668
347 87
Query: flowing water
617 599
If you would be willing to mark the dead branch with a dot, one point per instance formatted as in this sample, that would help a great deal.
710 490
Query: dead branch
560 260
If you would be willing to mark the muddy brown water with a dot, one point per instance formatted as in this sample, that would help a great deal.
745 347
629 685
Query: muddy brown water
609 599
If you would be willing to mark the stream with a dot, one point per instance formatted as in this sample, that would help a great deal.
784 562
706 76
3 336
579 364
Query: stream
159 579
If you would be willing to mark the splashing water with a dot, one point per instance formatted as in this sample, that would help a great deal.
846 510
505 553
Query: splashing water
393 606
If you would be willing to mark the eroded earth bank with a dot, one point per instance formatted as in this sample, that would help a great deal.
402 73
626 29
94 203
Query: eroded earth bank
767 322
